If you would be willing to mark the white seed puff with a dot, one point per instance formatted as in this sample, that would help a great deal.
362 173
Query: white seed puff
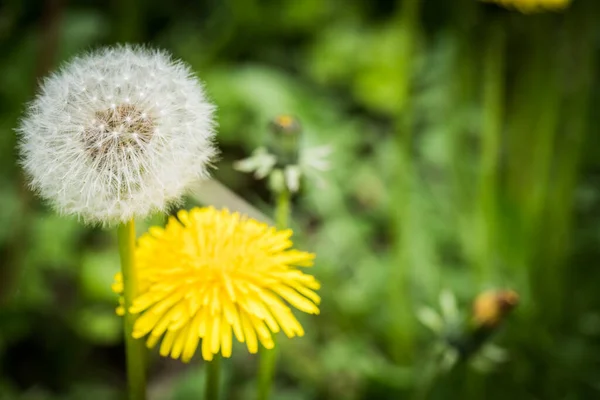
117 133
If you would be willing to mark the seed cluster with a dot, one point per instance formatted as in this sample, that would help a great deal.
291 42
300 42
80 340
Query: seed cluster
116 134
119 129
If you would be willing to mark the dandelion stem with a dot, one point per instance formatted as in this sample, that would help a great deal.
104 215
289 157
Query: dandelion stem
401 327
134 348
493 116
266 370
282 210
268 357
213 378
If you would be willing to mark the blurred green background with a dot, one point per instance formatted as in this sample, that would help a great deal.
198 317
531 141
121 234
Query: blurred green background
466 158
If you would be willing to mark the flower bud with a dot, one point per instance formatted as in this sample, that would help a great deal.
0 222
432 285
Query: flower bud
491 307
284 140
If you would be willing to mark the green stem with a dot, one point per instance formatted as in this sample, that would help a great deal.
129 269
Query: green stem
408 18
557 219
282 210
401 326
493 116
266 371
268 358
134 348
213 378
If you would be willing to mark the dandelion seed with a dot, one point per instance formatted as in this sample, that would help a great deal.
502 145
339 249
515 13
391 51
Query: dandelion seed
212 275
115 168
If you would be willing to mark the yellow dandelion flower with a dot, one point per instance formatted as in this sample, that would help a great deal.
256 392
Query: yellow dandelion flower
528 6
210 275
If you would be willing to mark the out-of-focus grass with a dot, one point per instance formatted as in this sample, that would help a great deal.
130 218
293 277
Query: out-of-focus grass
465 157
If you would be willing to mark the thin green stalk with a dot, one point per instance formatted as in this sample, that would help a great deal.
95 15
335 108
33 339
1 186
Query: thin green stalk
266 371
268 358
213 378
282 209
518 180
540 126
462 98
134 348
401 325
493 117
408 18
557 219
460 101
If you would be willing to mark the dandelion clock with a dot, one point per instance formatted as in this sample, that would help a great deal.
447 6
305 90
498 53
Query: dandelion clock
116 134
113 135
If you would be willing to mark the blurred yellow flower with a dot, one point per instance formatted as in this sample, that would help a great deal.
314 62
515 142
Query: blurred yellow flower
528 6
492 306
212 273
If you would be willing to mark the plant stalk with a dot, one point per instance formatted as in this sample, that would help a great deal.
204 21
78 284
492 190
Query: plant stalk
493 117
213 378
401 326
268 357
134 348
282 209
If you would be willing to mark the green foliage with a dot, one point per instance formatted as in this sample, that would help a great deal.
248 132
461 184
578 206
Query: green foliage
464 158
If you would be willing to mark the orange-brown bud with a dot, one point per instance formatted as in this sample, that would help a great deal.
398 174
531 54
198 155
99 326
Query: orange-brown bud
491 307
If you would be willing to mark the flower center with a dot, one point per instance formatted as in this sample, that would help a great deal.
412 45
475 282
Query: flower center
121 128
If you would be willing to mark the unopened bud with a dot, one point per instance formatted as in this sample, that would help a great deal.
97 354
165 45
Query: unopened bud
491 307
284 140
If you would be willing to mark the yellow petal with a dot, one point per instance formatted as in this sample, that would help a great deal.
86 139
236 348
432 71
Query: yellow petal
167 343
250 334
179 342
226 339
295 299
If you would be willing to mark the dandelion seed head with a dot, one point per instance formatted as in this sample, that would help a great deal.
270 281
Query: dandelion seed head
90 140
210 276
